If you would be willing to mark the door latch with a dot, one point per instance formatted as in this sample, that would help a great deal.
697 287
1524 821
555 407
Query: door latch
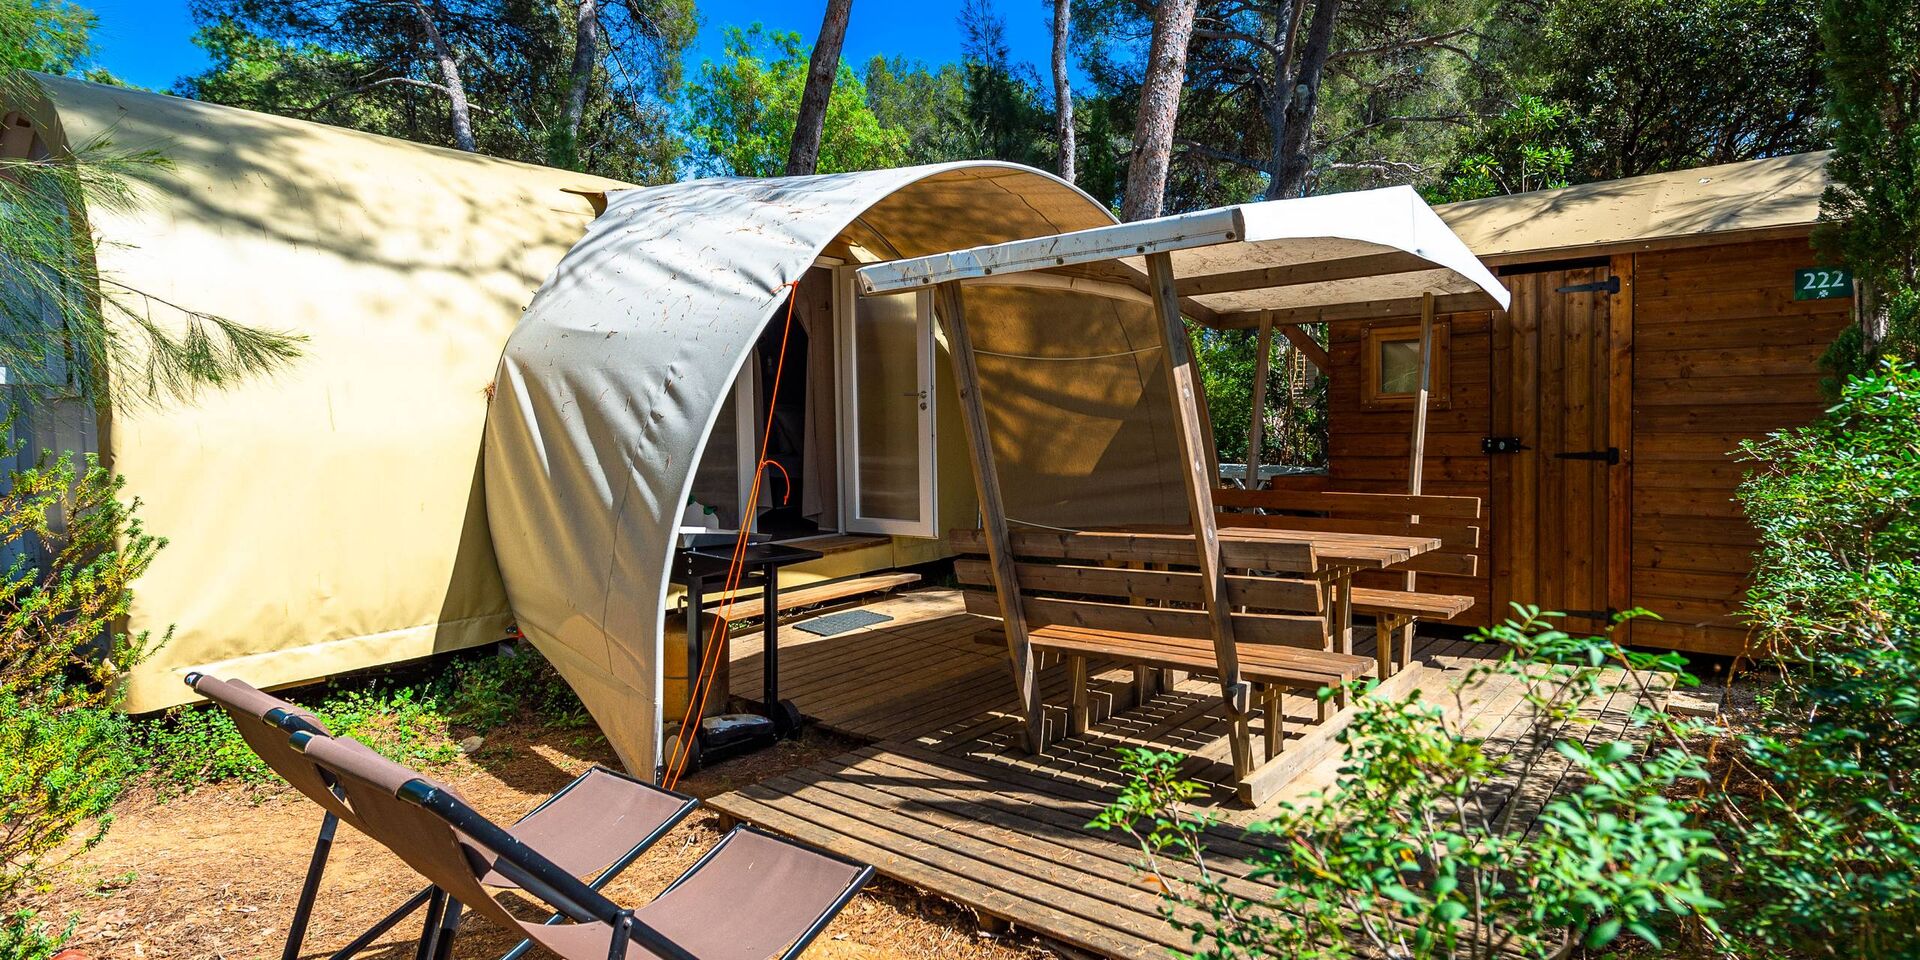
1610 455
1501 445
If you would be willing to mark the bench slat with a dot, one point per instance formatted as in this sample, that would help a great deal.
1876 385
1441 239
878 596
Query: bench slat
1426 606
1263 593
1312 670
1095 546
1305 632
1372 504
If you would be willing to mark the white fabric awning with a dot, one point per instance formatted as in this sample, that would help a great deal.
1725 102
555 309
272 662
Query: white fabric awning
1339 256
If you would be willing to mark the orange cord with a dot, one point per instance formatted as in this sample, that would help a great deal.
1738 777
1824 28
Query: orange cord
710 657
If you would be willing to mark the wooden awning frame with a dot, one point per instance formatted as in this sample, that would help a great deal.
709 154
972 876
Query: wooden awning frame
1112 253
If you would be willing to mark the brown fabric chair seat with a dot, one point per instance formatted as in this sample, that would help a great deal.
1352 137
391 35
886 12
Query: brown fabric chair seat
752 897
593 827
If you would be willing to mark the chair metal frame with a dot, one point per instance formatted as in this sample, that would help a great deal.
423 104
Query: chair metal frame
438 931
583 903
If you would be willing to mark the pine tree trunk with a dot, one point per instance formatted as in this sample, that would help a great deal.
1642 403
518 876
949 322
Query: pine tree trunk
457 109
1292 157
1159 108
803 157
586 53
1062 90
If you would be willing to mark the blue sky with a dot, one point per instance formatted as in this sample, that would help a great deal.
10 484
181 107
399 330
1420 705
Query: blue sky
149 42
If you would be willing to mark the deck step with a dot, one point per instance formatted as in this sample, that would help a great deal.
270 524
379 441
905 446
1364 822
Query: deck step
816 595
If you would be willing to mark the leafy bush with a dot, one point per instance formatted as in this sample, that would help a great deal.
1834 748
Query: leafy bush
1826 827
490 691
193 746
1414 854
78 548
61 769
24 938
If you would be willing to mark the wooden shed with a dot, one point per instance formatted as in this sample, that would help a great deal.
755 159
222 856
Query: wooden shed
1656 322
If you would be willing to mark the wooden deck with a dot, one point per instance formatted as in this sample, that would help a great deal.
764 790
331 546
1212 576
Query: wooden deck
946 800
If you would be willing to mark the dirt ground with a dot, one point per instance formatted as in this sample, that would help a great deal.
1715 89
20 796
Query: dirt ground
215 874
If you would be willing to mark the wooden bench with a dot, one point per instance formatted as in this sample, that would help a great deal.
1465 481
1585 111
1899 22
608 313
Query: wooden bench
1091 597
1454 521
1273 669
814 595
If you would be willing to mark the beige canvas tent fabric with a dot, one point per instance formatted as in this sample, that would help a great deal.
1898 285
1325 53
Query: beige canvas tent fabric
610 386
1753 195
328 519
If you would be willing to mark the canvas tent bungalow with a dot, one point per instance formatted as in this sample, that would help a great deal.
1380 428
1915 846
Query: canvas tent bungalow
327 519
614 395
638 383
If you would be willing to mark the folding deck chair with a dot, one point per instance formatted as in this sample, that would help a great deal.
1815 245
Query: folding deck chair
595 826
752 897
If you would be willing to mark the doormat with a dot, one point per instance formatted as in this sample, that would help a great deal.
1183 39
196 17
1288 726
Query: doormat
837 623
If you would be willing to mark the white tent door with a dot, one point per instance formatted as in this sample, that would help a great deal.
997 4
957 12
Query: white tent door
886 378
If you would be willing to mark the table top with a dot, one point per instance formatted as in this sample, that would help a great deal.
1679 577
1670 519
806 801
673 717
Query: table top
1369 551
1363 551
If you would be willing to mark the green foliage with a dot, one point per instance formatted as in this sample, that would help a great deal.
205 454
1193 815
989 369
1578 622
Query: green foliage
927 104
1415 855
370 66
1873 68
1296 427
77 551
742 110
24 938
1826 832
1525 148
46 36
61 769
412 723
72 328
490 691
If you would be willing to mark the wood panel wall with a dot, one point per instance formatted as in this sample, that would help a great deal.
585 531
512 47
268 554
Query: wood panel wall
1722 352
1368 449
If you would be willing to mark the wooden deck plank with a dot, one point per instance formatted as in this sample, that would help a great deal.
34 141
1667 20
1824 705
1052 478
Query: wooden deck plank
948 799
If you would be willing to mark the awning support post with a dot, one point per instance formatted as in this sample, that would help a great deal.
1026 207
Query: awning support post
952 313
1201 474
1257 427
1418 447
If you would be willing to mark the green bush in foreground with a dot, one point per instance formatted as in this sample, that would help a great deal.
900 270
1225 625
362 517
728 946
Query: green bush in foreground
1825 823
61 769
1415 855
22 937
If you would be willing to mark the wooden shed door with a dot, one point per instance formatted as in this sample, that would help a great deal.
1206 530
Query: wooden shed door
1552 377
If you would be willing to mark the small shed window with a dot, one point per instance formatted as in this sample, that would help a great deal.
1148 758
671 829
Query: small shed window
1390 365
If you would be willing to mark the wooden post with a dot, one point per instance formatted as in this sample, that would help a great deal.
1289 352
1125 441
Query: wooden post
993 510
1257 427
1419 446
1201 477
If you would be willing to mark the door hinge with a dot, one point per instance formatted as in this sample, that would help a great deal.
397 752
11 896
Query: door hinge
1501 445
1610 455
1609 285
1605 616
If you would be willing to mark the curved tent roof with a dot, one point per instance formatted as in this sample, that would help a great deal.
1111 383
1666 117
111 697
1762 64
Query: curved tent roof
610 385
329 518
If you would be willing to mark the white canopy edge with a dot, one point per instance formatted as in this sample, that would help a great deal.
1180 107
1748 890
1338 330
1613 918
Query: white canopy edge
1240 237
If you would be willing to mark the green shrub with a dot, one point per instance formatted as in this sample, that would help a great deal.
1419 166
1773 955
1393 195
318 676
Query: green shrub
24 937
1826 830
61 769
1409 856
58 619
193 746
489 691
